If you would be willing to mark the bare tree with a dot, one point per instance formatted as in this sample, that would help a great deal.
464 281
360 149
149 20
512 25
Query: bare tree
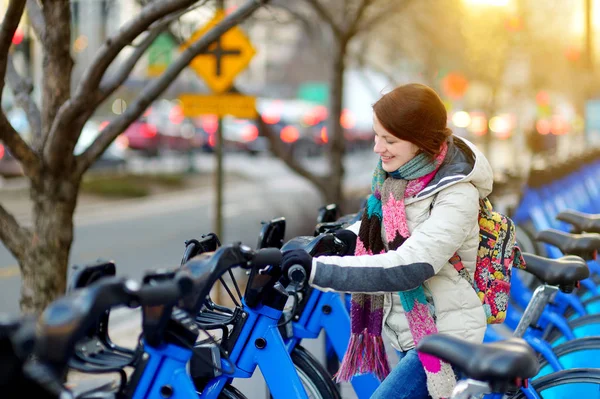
54 172
344 20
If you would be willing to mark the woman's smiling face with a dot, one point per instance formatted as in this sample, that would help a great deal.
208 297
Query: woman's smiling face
393 152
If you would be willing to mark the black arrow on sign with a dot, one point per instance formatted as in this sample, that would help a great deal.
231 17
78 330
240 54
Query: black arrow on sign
219 52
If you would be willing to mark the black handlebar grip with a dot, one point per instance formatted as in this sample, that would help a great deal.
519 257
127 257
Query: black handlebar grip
267 257
164 292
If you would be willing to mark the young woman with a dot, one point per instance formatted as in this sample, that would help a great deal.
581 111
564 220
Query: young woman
419 228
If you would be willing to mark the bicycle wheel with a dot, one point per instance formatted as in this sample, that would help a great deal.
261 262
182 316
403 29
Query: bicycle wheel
317 382
578 353
584 326
566 384
231 392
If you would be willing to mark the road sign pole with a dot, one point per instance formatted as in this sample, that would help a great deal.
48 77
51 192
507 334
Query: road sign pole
219 181
218 65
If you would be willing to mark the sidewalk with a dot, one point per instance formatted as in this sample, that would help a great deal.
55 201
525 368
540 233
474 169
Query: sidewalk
238 169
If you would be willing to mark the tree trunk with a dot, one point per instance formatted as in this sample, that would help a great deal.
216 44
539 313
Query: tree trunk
335 193
44 264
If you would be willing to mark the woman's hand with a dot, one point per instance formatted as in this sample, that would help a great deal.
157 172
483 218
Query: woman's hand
349 238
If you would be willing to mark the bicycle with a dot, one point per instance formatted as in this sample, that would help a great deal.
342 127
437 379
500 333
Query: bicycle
315 378
250 335
503 369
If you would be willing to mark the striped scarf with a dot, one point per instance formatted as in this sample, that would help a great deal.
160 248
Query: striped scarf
366 352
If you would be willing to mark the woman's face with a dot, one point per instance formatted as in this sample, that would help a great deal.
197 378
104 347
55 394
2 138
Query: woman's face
393 152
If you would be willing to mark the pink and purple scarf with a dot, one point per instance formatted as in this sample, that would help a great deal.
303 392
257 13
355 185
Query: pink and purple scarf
366 352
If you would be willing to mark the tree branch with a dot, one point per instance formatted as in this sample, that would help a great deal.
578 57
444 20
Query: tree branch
308 24
108 86
36 18
12 235
22 90
326 17
7 31
18 147
392 8
352 29
157 86
111 48
280 152
63 133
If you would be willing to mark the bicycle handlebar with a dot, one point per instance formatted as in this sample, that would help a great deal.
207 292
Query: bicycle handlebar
205 269
66 320
323 244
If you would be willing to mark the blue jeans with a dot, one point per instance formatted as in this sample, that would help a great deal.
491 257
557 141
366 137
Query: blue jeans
406 381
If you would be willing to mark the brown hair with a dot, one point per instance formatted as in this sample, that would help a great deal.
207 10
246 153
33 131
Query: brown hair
415 113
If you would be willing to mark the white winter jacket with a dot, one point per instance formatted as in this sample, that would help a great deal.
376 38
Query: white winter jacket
442 219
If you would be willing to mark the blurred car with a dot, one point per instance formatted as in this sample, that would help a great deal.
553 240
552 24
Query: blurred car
181 137
9 166
243 135
141 136
113 157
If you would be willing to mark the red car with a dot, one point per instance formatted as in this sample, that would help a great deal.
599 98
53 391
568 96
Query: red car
141 136
145 137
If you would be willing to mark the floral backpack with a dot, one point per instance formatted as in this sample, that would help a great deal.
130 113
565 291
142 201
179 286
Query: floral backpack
498 253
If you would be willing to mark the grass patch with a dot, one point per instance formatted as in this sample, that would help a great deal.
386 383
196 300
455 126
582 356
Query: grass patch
129 185
166 180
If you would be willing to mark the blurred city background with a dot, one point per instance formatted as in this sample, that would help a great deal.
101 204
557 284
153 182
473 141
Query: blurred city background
517 77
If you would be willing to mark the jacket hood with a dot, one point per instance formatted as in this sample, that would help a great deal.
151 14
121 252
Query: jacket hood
463 163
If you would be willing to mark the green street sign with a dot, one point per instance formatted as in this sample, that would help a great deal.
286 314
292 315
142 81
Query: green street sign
160 54
316 92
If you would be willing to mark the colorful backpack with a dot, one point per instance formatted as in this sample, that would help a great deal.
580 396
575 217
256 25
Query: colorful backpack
498 253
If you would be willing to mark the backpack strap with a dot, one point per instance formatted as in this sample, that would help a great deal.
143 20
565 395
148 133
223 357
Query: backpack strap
455 260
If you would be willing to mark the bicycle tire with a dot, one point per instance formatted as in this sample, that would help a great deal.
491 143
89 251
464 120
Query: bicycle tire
553 333
564 377
231 392
580 344
317 381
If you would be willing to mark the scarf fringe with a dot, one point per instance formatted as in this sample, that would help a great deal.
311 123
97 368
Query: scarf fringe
365 354
352 359
379 365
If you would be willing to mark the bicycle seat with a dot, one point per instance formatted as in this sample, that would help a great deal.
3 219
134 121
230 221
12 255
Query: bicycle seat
582 245
564 272
491 362
582 221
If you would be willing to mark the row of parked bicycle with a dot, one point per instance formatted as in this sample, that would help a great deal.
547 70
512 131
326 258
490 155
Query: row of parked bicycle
191 345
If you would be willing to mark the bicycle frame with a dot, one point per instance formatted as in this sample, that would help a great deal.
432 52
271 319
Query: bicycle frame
532 314
258 344
162 367
326 311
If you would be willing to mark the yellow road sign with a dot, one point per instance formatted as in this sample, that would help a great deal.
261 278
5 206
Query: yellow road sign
221 105
224 59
